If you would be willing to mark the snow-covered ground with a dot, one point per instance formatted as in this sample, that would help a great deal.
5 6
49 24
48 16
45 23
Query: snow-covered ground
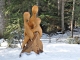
58 49
51 52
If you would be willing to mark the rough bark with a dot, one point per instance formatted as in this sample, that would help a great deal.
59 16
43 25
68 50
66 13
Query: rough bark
72 19
62 16
1 18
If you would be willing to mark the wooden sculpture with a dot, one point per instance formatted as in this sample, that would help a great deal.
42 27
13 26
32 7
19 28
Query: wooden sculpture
32 32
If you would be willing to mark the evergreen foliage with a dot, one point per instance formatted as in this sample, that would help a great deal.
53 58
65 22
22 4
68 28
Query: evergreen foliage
48 12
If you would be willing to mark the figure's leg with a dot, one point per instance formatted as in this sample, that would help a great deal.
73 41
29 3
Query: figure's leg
28 34
25 41
37 46
40 46
28 50
28 31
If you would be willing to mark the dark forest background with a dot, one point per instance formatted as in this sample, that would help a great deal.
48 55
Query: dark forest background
56 16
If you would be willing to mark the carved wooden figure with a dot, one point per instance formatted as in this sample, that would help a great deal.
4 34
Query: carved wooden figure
28 34
32 25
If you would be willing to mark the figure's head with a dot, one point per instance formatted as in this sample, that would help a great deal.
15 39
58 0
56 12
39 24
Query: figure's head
26 15
35 9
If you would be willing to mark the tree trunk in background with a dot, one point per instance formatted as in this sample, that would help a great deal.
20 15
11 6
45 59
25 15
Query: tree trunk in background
37 2
2 2
72 19
62 16
29 7
59 7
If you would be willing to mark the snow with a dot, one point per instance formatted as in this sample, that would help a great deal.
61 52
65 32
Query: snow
1 40
4 44
58 49
51 52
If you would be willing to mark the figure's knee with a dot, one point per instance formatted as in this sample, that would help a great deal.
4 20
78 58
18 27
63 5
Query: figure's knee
31 37
29 33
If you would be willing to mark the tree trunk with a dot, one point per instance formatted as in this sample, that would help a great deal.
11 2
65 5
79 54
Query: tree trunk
37 2
59 7
1 17
62 16
72 19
